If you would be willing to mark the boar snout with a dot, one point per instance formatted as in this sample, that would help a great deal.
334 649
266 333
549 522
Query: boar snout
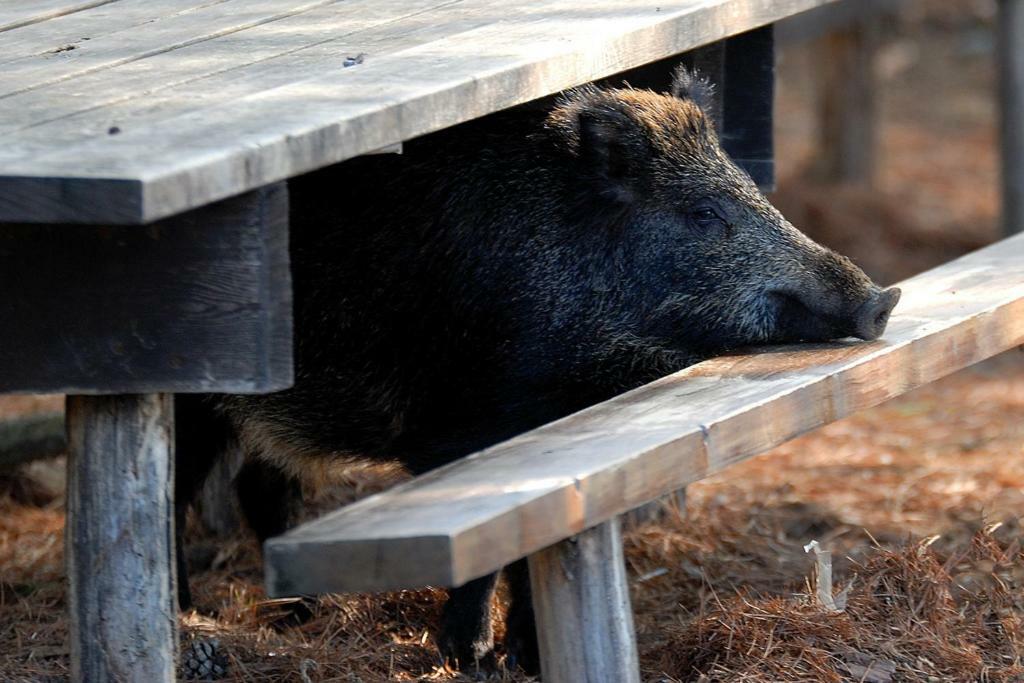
814 314
872 316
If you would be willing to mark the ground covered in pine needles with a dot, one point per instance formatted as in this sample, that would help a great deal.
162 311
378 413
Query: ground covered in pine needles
917 501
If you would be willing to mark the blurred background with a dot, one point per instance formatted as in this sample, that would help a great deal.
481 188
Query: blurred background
918 500
886 133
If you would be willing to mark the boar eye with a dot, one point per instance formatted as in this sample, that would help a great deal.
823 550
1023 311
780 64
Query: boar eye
706 219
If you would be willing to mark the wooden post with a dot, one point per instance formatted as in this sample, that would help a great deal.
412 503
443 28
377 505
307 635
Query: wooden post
848 108
119 538
1011 106
581 603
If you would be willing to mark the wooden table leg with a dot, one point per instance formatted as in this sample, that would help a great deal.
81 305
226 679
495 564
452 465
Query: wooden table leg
581 603
1011 105
120 538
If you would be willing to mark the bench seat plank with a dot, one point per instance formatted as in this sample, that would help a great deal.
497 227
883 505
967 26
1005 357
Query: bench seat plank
185 140
482 512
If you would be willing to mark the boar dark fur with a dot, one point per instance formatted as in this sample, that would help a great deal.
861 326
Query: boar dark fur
509 271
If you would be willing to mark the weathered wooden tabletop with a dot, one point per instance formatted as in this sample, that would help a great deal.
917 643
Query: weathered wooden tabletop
126 111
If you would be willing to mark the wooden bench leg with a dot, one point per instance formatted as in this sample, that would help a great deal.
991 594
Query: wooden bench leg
581 602
1011 105
119 538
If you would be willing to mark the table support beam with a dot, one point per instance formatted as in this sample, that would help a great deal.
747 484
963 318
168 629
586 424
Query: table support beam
581 603
196 303
119 538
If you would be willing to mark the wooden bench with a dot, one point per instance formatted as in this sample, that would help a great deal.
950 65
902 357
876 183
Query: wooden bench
186 117
553 494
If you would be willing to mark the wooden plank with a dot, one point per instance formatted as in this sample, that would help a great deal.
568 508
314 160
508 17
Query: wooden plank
200 302
17 13
1011 108
161 34
581 604
197 75
178 157
67 32
476 515
120 538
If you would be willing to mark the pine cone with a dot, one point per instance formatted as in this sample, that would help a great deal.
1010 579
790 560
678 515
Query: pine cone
204 661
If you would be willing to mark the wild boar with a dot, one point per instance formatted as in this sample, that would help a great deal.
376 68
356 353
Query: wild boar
510 271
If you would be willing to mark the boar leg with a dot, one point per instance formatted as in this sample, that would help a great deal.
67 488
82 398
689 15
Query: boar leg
267 497
521 629
200 437
467 636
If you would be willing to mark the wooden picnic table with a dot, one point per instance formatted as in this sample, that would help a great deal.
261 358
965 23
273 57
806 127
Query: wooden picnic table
144 214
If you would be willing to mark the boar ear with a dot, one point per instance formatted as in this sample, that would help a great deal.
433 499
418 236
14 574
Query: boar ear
691 85
613 149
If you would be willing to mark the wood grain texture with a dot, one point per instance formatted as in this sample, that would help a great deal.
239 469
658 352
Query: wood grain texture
200 302
581 604
17 13
480 513
1011 109
164 32
62 34
119 539
215 69
267 98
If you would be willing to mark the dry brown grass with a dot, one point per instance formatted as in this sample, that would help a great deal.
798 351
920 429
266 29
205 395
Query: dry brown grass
723 593
912 614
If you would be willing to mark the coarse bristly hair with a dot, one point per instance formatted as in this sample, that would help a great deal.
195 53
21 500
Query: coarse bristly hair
619 138
689 84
